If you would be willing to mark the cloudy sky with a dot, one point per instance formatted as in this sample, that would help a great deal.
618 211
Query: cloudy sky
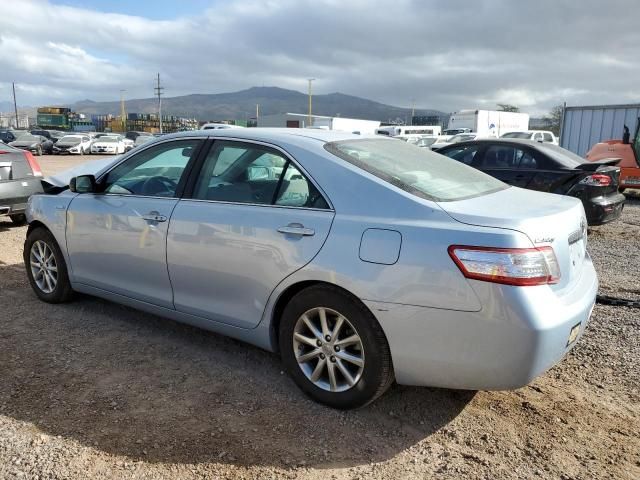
445 55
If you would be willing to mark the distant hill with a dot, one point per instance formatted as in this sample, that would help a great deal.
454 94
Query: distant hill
242 105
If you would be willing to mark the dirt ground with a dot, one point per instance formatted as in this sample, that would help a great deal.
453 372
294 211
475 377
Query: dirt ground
91 389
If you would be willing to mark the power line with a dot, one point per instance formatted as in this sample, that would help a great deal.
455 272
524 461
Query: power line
15 104
158 92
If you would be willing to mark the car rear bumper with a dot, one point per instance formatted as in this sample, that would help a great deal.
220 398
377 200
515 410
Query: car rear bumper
604 209
519 334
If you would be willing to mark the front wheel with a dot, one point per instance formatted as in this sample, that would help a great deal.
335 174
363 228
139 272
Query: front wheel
46 268
334 348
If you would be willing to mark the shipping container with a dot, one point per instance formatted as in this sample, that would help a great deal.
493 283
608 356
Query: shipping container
583 127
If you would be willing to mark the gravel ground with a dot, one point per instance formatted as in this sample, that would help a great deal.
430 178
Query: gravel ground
91 389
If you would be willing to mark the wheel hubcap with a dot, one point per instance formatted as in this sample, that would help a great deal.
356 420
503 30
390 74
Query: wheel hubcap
328 349
44 268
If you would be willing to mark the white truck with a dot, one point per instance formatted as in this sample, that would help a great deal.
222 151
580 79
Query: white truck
352 125
489 123
407 130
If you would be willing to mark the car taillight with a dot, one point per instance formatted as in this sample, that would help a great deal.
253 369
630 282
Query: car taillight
33 163
509 266
597 180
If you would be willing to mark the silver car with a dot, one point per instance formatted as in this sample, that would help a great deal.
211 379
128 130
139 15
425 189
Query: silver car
359 259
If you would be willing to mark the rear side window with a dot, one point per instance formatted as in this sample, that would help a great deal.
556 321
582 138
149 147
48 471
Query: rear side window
416 170
248 173
547 137
506 156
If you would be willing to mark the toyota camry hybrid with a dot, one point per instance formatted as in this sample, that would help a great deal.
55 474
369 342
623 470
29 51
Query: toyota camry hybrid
361 260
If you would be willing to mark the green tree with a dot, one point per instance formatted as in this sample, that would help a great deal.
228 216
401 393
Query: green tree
553 119
505 107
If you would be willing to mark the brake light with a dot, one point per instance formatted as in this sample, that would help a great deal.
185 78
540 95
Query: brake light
597 180
509 266
33 163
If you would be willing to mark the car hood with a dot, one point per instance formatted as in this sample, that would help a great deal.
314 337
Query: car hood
67 144
105 144
94 167
25 143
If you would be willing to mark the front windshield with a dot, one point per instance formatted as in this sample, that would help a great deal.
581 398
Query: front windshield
415 170
524 135
27 137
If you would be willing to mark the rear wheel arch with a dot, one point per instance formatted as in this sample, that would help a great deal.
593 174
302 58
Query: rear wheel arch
289 293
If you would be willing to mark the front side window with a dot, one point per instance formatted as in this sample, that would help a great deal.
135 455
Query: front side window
152 172
416 170
547 137
248 173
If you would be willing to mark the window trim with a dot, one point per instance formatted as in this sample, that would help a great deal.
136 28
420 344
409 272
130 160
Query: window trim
180 189
190 185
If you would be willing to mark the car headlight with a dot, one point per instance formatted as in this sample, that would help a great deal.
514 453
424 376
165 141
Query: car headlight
34 145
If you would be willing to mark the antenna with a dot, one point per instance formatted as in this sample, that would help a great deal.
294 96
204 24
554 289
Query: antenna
158 91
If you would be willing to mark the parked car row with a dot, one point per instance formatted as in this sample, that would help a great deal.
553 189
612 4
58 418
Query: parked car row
40 141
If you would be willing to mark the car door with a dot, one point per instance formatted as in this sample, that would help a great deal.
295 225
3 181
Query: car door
117 238
502 161
254 218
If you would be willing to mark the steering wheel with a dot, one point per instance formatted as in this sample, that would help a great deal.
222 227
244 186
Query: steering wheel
156 185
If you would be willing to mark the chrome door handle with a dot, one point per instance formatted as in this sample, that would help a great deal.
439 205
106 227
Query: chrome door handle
297 229
154 217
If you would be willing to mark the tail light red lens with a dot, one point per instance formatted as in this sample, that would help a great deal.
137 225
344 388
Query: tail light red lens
509 266
33 163
597 180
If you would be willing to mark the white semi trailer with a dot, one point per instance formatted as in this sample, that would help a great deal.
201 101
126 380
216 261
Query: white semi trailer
489 123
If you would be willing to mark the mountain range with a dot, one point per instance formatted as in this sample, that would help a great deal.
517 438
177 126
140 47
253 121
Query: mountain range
242 105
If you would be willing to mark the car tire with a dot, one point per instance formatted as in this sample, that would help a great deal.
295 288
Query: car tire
18 218
366 379
42 243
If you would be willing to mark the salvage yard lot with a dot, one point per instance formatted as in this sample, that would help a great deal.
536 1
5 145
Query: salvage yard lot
94 389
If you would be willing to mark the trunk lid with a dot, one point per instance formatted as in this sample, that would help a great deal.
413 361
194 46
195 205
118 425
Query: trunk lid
545 218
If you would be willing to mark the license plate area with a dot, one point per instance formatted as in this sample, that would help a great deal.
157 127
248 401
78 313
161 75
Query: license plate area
574 333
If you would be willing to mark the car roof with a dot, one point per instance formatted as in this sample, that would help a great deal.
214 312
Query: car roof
273 134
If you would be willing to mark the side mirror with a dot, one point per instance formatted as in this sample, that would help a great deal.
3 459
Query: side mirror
83 184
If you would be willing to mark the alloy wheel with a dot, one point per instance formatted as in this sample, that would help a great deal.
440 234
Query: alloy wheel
328 349
44 268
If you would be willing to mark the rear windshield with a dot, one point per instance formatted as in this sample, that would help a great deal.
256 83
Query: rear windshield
416 170
561 155
516 135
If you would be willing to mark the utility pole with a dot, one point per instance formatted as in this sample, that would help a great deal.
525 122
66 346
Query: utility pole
309 122
257 112
158 91
413 109
15 104
123 113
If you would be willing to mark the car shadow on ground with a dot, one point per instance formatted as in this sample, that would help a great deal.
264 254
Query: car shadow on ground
149 389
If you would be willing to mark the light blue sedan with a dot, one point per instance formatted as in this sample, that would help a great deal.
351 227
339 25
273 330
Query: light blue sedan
359 259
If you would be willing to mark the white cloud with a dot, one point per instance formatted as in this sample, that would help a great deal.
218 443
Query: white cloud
446 55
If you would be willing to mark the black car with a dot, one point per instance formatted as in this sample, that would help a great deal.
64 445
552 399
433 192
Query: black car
19 179
34 143
547 168
7 136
